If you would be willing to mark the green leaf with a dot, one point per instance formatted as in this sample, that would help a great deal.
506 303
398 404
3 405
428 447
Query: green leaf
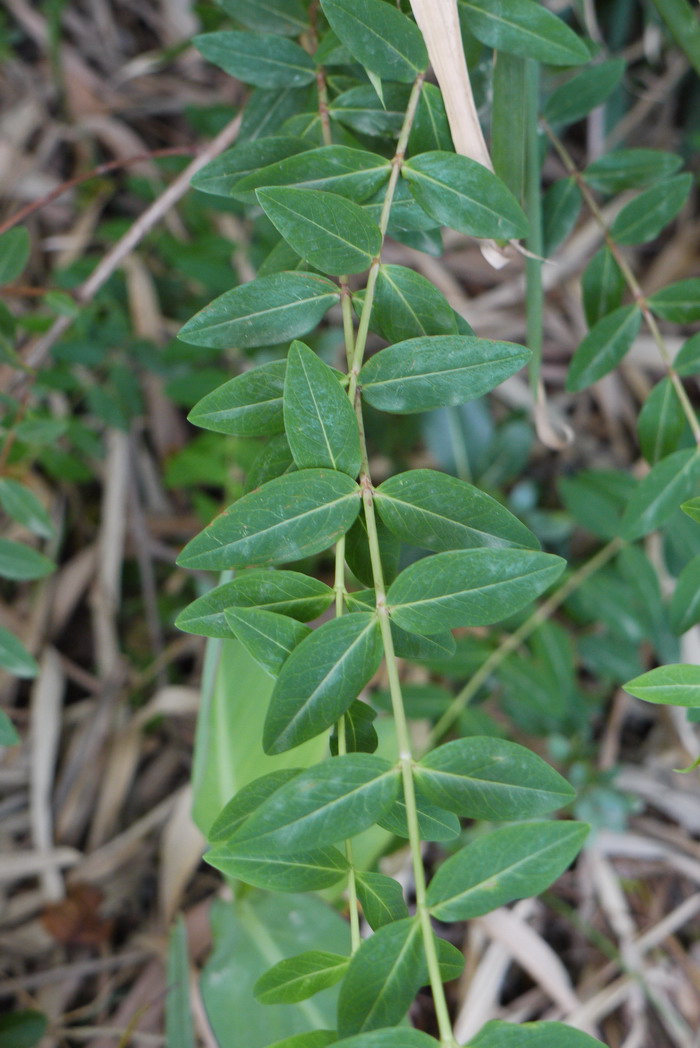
406 305
660 493
263 60
645 216
631 169
406 645
357 555
14 253
679 303
560 210
319 419
271 309
20 503
603 286
677 685
379 36
284 592
460 193
179 1026
597 498
439 512
522 27
300 977
603 348
313 1039
254 864
270 638
286 17
682 21
360 733
381 898
499 1034
396 1037
661 422
584 92
286 519
488 778
474 587
249 405
20 563
8 732
431 127
321 679
352 173
692 509
360 109
14 657
685 602
443 370
330 232
435 824
220 175
324 804
247 800
510 863
22 1029
274 459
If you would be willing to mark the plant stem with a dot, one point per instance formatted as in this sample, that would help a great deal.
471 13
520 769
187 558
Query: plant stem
533 198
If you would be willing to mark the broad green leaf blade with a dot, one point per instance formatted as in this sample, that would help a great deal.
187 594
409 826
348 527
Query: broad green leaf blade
499 1034
297 978
337 799
8 732
396 1037
510 863
246 801
661 422
380 37
431 127
14 657
435 824
645 216
681 19
352 173
487 778
14 253
406 645
685 603
20 563
277 871
679 303
270 638
179 1026
321 679
286 519
360 733
360 109
286 17
274 460
460 193
357 555
523 27
319 420
220 175
439 512
668 686
20 503
249 405
313 1039
406 306
263 60
330 232
443 370
473 587
561 207
584 92
603 348
284 592
381 898
271 309
603 286
596 499
22 1029
631 169
665 487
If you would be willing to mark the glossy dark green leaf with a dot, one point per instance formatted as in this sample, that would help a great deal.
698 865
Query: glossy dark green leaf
14 253
270 638
435 824
603 348
510 863
499 1034
279 872
442 370
286 519
271 309
603 286
220 175
14 657
561 207
273 460
487 778
407 216
685 603
660 493
523 27
20 503
668 686
337 799
246 801
464 195
406 306
352 173
381 898
20 563
297 978
330 232
661 422
357 556
431 128
379 36
260 59
383 978
631 169
267 112
679 303
286 17
249 405
439 645
395 1037
439 512
645 216
360 109
321 679
360 733
474 587
584 92
319 420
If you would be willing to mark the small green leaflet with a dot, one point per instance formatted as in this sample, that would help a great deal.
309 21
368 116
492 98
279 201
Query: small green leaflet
677 685
14 657
431 128
685 602
474 587
268 310
443 370
321 679
631 169
523 27
247 800
273 460
499 1034
8 732
286 17
661 422
381 898
330 232
260 59
249 405
584 92
439 512
406 306
560 210
679 303
352 173
324 804
603 286
360 733
692 509
286 519
379 36
20 563
460 193
645 216
220 175
487 778
319 419
435 824
277 872
360 109
270 638
510 863
660 493
20 503
22 1029
297 978
14 253
603 348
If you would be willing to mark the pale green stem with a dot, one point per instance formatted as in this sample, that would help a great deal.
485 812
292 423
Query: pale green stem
533 196
355 937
